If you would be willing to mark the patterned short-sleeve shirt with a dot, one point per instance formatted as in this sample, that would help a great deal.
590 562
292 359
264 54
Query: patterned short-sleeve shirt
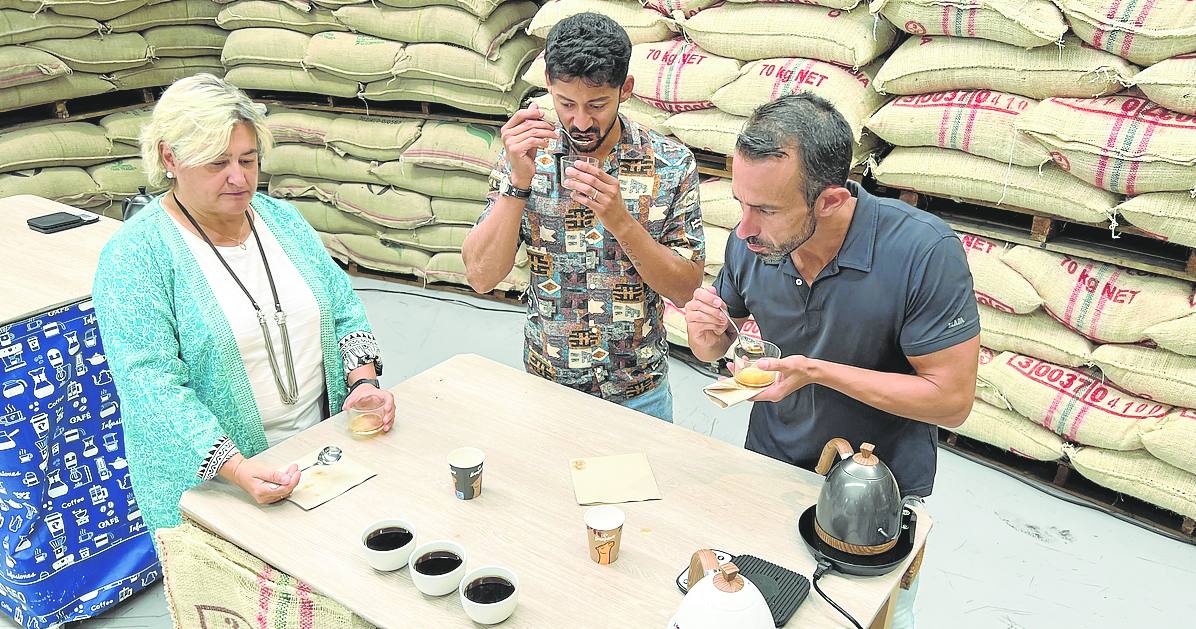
593 324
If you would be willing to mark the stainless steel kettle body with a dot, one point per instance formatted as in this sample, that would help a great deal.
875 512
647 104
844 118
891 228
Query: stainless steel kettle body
133 204
859 506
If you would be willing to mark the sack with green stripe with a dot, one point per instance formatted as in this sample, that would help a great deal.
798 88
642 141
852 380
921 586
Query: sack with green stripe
1021 23
385 206
850 91
1170 215
75 85
453 184
1074 404
958 175
445 145
996 284
371 253
1010 432
99 54
453 64
1123 144
937 64
121 179
641 24
24 66
309 161
1106 303
457 211
1175 441
172 13
1137 474
265 46
210 582
469 98
281 79
448 25
58 144
1171 83
677 75
1035 334
1153 373
94 9
66 184
480 8
353 56
270 14
376 138
325 217
124 127
1143 32
162 72
434 238
18 27
1177 335
980 122
186 41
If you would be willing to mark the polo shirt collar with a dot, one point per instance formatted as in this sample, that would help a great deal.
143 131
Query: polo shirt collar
860 242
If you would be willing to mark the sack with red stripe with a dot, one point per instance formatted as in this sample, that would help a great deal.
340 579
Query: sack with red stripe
1022 23
716 130
1035 334
1177 335
1123 144
985 391
996 285
1150 372
1074 404
1143 32
212 583
1175 441
1168 215
845 5
642 25
683 8
455 146
1137 474
850 91
980 122
1011 432
1106 303
1171 83
678 76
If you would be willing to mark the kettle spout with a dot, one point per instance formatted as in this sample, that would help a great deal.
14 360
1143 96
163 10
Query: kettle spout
838 444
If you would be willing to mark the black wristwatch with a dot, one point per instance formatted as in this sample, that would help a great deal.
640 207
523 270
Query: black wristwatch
373 381
508 189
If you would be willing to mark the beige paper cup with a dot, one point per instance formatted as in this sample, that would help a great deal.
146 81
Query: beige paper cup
604 533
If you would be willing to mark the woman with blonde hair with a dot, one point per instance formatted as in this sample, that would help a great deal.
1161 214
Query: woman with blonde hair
227 326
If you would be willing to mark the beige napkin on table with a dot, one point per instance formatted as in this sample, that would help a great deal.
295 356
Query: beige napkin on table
727 392
320 483
613 479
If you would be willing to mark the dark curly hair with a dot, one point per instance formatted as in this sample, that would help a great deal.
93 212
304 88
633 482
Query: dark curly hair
590 47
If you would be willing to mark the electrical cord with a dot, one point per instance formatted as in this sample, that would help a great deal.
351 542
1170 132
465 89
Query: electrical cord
824 567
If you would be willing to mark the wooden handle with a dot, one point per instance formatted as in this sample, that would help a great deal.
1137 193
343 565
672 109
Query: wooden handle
727 578
865 457
700 563
825 461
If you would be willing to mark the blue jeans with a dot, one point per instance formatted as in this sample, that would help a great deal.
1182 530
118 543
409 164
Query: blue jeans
658 402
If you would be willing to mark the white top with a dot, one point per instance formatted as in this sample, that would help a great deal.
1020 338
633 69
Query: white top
303 325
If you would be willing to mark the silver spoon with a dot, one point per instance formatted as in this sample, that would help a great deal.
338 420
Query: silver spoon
746 343
327 456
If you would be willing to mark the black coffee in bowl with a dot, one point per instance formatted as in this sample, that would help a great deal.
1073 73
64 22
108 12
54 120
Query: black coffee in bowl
486 590
388 538
437 562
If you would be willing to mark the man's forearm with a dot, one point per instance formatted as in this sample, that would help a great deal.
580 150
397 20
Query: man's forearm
910 396
489 249
663 270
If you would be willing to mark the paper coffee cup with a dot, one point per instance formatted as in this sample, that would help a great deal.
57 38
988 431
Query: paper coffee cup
604 533
465 465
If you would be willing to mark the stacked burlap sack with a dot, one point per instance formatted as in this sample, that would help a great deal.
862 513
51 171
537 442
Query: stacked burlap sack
468 53
1089 361
390 194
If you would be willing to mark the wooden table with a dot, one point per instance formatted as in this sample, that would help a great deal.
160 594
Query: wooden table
714 496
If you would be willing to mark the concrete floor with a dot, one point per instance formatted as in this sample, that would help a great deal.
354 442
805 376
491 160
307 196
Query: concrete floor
1002 554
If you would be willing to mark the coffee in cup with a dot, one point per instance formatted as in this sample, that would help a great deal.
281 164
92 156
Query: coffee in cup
388 544
490 594
437 567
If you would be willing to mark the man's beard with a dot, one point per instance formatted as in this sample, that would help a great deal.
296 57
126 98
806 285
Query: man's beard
777 254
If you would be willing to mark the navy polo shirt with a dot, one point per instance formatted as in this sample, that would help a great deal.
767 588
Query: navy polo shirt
900 286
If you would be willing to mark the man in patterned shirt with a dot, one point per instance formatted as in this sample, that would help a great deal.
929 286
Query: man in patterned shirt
605 242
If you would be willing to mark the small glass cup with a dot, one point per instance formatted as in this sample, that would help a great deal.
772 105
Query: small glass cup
366 416
747 352
569 160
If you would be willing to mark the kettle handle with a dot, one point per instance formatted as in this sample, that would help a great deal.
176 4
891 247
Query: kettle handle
702 562
838 444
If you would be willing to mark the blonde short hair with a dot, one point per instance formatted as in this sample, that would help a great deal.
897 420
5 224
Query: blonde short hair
195 117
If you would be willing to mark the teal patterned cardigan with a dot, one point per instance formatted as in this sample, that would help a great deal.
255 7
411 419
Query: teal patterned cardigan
185 397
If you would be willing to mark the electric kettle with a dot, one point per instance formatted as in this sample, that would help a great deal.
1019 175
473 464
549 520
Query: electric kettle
859 508
719 597
133 204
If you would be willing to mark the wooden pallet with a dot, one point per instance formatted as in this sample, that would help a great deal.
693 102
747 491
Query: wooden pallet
393 109
713 164
85 108
1060 479
1133 248
514 298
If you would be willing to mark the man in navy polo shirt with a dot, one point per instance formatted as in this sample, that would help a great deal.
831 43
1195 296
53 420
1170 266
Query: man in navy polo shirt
869 299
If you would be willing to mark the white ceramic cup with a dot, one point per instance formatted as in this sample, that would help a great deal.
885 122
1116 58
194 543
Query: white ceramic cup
437 584
388 560
489 613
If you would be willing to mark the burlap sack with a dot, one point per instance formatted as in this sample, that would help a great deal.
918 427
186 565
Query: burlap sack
99 55
291 187
1035 334
996 284
480 8
186 41
980 122
124 127
58 144
434 238
307 161
766 30
265 46
335 248
269 14
66 184
465 97
1177 335
353 56
678 76
280 79
95 9
708 129
1021 23
453 64
28 6
452 184
1074 404
958 175
448 25
1143 32
1105 303
642 25
850 91
1123 144
1169 215
17 27
372 137
172 13
719 207
162 72
371 253
299 126
392 208
986 391
687 8
1137 474
716 247
448 267
635 109
1011 432
445 145
1171 83
1156 374
457 211
24 66
1175 441
121 179
937 64
212 583
325 217
75 85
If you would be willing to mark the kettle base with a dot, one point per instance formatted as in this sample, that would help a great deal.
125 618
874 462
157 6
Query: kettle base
860 565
